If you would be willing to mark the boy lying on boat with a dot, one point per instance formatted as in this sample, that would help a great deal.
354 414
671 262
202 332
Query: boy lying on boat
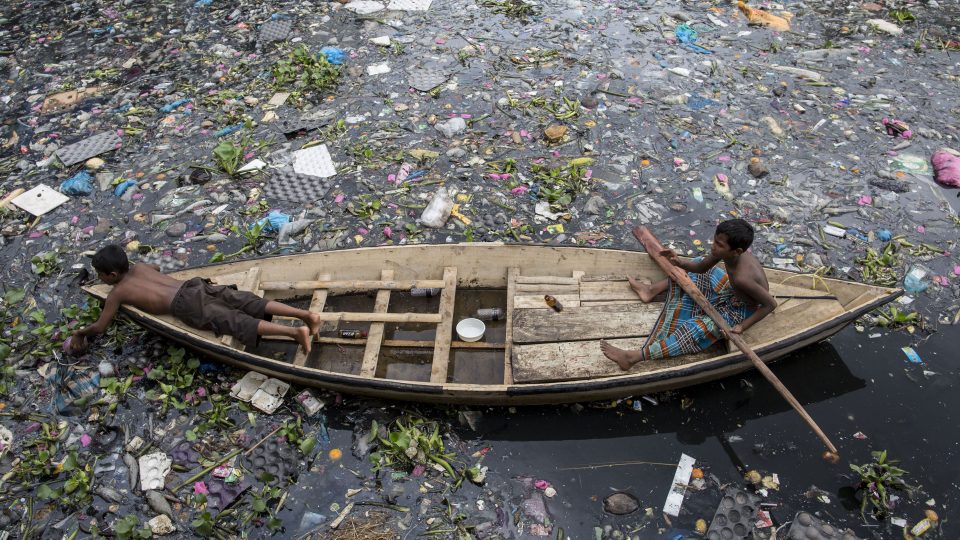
219 308
740 293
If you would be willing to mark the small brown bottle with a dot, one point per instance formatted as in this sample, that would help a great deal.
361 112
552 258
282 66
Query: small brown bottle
552 302
353 334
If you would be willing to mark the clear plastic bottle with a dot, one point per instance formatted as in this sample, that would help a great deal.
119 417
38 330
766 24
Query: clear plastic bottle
489 314
421 291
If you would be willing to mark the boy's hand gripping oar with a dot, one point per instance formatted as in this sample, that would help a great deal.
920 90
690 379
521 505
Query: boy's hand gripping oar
678 275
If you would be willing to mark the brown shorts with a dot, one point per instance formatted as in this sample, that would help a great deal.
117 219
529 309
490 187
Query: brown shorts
220 308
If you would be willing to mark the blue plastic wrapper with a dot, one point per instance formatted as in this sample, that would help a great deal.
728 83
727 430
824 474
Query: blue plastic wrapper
334 55
77 185
884 235
228 130
688 37
171 106
274 220
123 186
202 3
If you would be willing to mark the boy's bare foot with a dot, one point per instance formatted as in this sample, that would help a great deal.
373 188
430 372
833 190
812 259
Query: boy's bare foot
642 290
313 322
304 338
624 359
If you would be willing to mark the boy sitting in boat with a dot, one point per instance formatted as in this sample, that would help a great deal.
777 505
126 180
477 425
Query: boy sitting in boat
198 303
740 293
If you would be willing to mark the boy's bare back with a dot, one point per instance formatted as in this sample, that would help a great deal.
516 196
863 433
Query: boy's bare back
747 279
143 287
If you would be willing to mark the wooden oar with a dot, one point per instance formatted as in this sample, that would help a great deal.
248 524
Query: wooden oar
678 275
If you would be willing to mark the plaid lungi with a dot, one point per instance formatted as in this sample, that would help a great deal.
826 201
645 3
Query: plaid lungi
683 326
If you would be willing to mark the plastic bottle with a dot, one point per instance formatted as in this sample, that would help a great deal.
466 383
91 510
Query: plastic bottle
420 291
438 211
489 314
916 279
552 302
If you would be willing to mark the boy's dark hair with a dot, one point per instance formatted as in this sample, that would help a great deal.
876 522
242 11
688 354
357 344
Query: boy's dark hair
739 233
111 259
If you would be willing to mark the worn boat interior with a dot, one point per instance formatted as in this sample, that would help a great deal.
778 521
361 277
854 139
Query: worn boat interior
401 337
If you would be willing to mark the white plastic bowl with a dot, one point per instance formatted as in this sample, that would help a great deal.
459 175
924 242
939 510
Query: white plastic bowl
471 329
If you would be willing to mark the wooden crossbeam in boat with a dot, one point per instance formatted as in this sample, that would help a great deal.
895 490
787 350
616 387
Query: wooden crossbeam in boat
441 353
399 343
552 289
250 283
356 285
375 335
512 275
347 316
317 302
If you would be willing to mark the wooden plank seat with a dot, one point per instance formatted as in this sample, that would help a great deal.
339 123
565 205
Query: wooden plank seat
585 322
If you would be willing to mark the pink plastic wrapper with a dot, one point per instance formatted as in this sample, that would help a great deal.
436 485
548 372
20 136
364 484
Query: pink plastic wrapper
946 167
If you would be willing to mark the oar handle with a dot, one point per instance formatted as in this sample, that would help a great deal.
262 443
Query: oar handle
654 247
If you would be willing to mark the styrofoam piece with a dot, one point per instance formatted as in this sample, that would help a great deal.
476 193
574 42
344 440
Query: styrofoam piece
807 527
426 79
409 5
383 41
378 69
246 387
314 161
6 439
274 30
161 525
679 486
40 200
270 395
87 148
364 7
735 517
153 469
286 185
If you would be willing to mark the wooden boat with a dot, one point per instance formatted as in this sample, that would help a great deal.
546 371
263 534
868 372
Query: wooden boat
534 355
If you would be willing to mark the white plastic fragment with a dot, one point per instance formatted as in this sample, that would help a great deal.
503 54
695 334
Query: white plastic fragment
314 161
6 440
269 396
885 26
261 391
834 231
254 166
364 7
153 469
245 388
378 69
40 200
680 479
383 41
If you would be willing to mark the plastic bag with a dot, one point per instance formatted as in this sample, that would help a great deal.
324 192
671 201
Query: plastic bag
438 211
274 220
946 167
77 185
334 55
